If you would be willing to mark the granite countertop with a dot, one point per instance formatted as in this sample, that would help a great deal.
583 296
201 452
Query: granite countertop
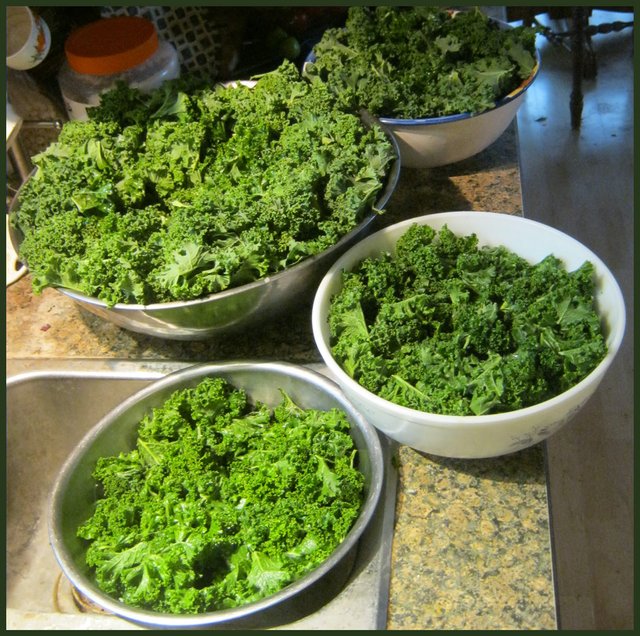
471 546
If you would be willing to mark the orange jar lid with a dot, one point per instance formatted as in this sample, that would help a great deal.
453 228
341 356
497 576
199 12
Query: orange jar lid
111 45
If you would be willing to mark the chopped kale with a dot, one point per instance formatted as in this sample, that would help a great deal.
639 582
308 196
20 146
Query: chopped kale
189 191
413 62
448 327
222 502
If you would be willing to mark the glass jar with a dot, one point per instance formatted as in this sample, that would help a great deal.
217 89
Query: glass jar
122 48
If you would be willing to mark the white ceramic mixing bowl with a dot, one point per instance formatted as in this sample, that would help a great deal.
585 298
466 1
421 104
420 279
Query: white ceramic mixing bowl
481 435
438 141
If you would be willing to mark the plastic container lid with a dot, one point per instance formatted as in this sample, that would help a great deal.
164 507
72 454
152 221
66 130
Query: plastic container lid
111 45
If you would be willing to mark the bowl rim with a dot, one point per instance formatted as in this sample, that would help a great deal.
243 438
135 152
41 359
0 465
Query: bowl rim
439 420
177 379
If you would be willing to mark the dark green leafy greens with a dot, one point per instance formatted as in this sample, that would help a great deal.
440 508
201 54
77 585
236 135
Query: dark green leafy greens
192 190
222 502
413 62
450 327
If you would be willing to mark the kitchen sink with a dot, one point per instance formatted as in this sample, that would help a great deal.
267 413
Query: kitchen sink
50 407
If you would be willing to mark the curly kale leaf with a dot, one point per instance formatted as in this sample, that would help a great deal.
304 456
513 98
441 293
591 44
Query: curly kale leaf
421 61
244 182
449 327
221 502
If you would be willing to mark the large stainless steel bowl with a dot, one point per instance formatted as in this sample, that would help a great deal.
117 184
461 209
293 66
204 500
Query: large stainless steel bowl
74 490
236 308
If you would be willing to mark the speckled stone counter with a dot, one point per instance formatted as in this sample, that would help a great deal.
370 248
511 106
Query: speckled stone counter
471 547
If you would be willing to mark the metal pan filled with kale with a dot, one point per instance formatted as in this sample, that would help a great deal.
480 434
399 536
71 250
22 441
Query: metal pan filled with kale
220 493
193 210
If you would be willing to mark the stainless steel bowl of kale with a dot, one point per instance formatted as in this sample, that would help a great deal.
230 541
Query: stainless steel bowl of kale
191 211
222 494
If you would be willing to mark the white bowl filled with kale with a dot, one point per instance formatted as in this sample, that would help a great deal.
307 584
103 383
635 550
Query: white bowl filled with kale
469 334
194 210
446 83
221 494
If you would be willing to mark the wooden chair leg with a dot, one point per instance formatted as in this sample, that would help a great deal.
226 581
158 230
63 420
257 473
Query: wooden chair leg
578 52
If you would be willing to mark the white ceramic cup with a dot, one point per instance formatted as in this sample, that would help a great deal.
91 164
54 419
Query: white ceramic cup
28 38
